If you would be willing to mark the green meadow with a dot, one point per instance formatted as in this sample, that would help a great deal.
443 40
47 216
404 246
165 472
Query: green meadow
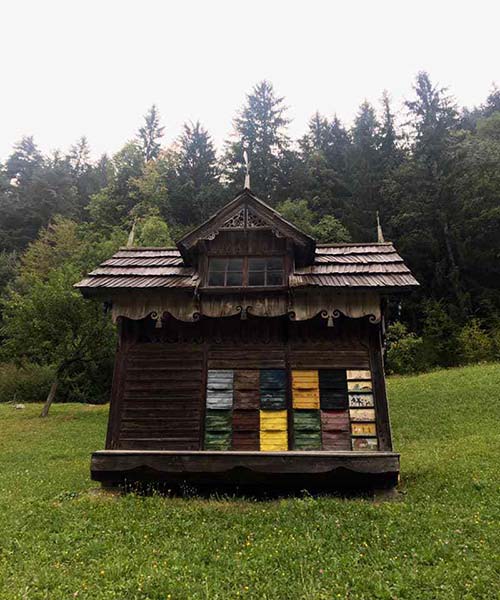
61 537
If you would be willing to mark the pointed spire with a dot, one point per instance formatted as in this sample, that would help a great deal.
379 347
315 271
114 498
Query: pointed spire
380 233
130 241
247 171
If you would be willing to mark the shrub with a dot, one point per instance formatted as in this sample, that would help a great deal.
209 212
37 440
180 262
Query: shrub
28 383
405 351
474 343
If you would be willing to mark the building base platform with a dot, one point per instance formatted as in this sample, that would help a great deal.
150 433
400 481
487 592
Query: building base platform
262 471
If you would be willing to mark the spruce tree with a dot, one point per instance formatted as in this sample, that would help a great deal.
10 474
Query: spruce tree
150 134
195 191
260 129
365 173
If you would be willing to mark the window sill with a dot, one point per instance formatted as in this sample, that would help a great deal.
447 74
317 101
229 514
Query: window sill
242 289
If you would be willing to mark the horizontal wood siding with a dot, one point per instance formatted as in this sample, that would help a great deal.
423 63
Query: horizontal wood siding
335 430
306 430
305 389
162 398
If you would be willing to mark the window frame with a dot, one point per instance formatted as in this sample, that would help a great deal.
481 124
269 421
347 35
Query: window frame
246 272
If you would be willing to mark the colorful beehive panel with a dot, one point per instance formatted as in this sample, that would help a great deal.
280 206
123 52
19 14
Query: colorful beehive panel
360 374
247 409
333 389
218 429
245 429
363 429
362 414
306 430
362 410
246 389
335 430
273 430
361 400
359 386
305 389
220 389
272 389
360 443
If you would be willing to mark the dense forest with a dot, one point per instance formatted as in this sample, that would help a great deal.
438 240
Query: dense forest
431 172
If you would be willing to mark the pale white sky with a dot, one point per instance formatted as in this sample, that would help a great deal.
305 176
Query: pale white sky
93 67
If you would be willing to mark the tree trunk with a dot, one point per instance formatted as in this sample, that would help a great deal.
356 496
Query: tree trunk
50 399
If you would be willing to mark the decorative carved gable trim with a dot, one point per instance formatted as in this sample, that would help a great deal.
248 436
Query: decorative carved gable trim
246 211
245 218
236 221
255 221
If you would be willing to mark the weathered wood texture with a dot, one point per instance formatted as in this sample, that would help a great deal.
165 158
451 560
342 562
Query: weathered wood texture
157 403
335 430
297 470
166 379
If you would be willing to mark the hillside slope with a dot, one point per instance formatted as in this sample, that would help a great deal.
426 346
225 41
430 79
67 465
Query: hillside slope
60 540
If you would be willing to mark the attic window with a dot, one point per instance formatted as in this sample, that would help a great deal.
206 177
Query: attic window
225 272
246 271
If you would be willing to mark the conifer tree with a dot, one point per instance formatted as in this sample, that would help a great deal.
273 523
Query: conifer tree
260 129
195 191
150 134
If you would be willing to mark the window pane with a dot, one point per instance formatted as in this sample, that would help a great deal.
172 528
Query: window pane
275 278
256 278
216 278
234 278
256 264
218 264
235 264
275 263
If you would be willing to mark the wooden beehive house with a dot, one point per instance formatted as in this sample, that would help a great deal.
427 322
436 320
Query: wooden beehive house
249 354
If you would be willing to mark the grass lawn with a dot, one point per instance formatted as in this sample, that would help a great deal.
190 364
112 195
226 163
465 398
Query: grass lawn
59 539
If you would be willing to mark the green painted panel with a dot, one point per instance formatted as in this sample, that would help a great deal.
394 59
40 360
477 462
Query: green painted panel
307 440
217 441
306 420
218 420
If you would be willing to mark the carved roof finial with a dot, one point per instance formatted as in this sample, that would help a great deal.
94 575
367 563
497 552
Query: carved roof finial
247 171
380 233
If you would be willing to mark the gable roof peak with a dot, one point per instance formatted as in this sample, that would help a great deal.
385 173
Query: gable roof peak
247 212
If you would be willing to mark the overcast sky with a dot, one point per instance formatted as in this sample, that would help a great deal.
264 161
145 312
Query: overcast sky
93 67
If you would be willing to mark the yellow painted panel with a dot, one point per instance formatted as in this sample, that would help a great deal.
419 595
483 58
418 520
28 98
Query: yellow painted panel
273 420
305 380
362 414
359 374
273 441
359 386
363 429
306 399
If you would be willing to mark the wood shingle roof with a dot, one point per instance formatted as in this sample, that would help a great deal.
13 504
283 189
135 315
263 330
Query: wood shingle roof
352 266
